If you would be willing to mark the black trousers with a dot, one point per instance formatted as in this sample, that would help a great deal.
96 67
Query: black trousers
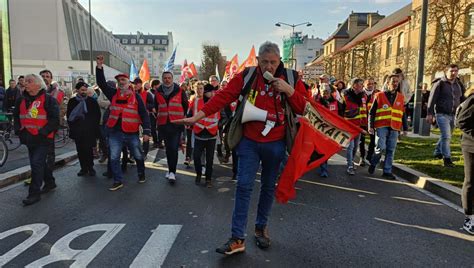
39 170
189 147
154 134
199 147
171 135
50 161
370 151
467 190
85 155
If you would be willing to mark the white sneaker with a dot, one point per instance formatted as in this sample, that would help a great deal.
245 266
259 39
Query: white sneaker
171 177
167 175
469 226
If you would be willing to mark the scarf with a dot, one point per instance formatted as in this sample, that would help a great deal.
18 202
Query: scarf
79 112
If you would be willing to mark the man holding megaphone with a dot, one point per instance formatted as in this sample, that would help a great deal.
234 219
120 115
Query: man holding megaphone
270 94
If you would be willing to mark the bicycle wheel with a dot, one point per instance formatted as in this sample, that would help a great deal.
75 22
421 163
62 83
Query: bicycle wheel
13 143
61 138
3 152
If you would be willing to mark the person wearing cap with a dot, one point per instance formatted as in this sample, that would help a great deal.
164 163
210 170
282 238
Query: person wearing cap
205 133
127 113
171 104
144 91
83 113
354 108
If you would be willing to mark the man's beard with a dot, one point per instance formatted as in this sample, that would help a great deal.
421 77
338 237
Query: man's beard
124 89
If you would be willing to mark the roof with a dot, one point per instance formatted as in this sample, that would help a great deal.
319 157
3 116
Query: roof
146 37
341 31
316 61
393 20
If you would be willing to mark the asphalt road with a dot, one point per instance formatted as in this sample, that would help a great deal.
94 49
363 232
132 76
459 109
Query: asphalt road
357 221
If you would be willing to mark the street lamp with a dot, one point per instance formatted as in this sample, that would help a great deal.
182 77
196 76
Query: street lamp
293 26
90 40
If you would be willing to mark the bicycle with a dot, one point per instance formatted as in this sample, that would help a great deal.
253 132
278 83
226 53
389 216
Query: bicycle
8 141
61 138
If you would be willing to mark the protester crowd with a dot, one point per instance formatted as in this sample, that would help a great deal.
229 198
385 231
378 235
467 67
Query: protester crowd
122 116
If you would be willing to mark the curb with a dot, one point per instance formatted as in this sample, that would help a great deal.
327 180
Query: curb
22 173
435 186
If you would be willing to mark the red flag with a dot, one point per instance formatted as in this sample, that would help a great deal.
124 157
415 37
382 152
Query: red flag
250 61
184 70
231 68
192 70
321 135
144 72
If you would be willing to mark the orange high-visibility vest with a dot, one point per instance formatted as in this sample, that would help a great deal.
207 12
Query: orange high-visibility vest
144 95
210 123
58 95
127 111
34 117
355 113
388 115
172 110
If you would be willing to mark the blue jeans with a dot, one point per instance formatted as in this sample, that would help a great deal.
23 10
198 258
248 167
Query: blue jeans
116 141
323 168
386 141
352 150
446 125
250 154
39 170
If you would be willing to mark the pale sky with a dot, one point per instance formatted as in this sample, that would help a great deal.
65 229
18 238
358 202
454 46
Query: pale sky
234 25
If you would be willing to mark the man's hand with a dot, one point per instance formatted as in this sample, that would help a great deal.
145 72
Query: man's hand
429 119
281 85
191 120
146 138
371 131
100 61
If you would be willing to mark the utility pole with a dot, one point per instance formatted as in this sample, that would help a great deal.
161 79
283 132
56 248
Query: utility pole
279 24
417 121
90 39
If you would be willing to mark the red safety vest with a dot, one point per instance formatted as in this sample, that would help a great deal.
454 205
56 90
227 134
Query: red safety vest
388 115
172 110
355 113
58 95
127 111
144 95
34 117
210 123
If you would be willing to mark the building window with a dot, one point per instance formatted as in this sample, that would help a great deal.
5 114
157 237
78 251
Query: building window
157 41
124 41
149 41
141 41
401 43
164 42
469 28
388 47
134 41
142 49
133 48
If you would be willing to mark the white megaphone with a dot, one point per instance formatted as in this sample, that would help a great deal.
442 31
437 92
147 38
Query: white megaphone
252 113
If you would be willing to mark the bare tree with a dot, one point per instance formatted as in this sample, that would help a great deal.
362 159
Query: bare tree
450 43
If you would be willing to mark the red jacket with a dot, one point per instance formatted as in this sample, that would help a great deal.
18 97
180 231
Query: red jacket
267 101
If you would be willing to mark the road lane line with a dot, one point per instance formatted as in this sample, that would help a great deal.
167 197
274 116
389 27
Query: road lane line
155 250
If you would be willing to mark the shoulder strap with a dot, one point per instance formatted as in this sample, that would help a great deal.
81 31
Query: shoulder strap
249 76
290 77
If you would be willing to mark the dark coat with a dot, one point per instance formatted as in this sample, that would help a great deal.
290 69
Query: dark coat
465 121
445 96
86 130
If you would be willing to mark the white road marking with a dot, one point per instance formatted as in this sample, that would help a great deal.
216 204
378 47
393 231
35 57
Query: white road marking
61 250
155 250
39 231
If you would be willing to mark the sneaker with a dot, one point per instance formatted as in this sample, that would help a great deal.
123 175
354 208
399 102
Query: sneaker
197 181
234 245
82 172
361 162
262 238
116 186
208 184
141 179
167 175
48 188
448 162
31 199
323 174
469 226
438 156
389 176
103 158
130 161
371 169
351 171
27 182
172 178
92 172
187 161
